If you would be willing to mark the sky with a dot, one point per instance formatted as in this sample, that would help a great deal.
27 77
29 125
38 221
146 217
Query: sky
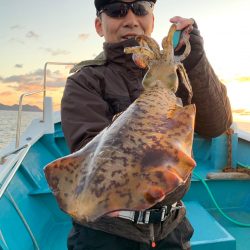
33 32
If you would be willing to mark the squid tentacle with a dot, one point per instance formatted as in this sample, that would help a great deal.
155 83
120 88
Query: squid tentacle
186 52
168 40
150 43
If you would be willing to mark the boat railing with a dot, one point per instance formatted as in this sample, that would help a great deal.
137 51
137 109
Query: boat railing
19 115
43 90
12 159
11 167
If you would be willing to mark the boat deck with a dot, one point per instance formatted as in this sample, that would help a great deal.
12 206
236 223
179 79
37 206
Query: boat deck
211 230
240 233
27 204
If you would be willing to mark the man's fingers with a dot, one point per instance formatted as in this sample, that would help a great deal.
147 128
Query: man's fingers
188 29
185 33
182 22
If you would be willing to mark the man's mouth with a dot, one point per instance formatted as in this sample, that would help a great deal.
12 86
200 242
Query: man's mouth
128 36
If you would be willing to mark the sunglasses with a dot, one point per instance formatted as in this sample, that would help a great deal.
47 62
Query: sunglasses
120 9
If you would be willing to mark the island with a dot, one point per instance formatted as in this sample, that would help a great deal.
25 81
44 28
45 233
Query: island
15 107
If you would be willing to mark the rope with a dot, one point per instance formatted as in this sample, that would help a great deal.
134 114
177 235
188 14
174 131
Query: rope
229 167
217 206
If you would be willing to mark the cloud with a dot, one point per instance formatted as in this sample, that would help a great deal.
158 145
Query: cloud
5 93
18 65
28 78
56 84
56 52
241 111
69 67
15 27
32 34
243 78
34 80
83 36
16 40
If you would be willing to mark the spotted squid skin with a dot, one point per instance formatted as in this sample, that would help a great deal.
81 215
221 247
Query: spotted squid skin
143 156
137 161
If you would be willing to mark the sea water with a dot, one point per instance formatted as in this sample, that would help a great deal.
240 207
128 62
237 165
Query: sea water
8 124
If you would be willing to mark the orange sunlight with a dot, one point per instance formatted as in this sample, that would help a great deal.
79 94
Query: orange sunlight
10 93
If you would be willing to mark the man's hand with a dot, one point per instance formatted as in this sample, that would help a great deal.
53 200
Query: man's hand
190 29
184 24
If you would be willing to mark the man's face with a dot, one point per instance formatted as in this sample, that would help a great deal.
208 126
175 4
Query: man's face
121 28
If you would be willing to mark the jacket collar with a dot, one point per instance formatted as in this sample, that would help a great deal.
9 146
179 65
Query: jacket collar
114 52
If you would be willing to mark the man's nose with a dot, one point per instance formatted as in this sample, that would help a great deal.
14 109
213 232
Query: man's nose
131 20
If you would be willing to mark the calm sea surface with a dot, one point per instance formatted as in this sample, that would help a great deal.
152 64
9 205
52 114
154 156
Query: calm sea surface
8 124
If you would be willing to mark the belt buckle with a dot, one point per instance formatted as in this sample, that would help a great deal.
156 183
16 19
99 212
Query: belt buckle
147 216
154 212
144 217
140 219
164 214
166 211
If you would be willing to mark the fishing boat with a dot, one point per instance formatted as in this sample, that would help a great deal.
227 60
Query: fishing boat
218 201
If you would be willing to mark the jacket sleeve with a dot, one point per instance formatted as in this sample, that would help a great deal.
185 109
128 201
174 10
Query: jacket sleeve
84 112
214 114
213 110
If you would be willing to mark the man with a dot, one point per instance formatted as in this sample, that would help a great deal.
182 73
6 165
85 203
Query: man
103 87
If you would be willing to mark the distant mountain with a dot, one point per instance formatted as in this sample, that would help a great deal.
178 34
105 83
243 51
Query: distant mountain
24 108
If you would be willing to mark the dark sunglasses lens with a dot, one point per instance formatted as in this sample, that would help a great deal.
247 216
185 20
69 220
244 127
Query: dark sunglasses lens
141 8
116 10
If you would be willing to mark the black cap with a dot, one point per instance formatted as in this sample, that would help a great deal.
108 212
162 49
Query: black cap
100 3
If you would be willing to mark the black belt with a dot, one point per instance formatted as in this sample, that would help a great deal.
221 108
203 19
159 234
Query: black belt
150 215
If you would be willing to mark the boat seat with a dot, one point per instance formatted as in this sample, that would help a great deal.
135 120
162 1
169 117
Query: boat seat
208 233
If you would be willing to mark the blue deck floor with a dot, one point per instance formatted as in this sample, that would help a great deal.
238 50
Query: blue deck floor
208 233
241 233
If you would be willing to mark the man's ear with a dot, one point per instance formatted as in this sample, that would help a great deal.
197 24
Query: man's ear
153 25
98 26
